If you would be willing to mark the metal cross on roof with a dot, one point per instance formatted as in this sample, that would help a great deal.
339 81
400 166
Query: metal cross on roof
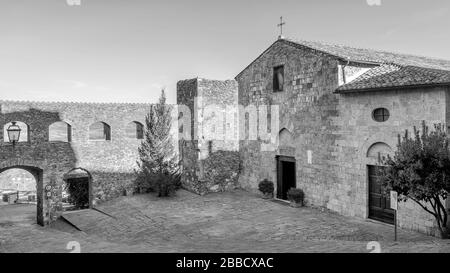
280 25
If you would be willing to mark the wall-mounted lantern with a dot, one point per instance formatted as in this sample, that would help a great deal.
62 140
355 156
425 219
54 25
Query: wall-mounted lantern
13 133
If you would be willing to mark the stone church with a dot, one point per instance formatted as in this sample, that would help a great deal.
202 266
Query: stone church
339 109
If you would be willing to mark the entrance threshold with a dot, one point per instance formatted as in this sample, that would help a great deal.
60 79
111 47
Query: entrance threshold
74 211
378 222
280 201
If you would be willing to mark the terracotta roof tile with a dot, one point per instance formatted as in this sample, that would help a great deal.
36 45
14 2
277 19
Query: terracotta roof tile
374 56
393 70
391 76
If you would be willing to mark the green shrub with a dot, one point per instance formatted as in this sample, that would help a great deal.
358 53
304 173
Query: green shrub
158 163
296 195
266 186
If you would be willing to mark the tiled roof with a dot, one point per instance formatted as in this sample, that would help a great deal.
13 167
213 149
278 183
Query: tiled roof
393 76
391 70
374 56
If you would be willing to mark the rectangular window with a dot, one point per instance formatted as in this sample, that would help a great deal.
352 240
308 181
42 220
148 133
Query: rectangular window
278 78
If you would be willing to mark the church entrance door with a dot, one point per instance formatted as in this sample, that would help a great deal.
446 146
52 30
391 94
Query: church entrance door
379 202
286 175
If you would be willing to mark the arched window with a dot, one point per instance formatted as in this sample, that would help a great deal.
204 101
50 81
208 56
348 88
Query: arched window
379 150
135 130
24 129
99 131
60 131
285 138
278 78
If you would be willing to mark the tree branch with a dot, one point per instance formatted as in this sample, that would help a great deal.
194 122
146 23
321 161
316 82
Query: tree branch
442 209
436 210
424 207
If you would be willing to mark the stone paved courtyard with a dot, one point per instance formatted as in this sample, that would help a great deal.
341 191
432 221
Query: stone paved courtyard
222 222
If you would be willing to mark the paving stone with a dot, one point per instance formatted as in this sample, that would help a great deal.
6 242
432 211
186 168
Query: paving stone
218 222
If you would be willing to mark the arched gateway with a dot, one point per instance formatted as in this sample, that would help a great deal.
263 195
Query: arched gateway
56 140
38 176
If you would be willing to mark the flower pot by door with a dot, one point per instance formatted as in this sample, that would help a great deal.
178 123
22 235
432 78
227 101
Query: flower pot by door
268 195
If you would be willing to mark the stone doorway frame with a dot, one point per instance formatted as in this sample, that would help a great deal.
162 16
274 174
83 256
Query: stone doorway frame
90 187
279 161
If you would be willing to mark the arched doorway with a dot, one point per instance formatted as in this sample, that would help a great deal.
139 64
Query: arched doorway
285 164
21 192
379 201
77 191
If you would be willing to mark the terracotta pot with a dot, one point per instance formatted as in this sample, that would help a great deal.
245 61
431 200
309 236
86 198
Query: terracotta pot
267 195
295 204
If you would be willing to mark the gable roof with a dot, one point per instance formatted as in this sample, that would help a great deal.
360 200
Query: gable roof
394 76
392 69
361 55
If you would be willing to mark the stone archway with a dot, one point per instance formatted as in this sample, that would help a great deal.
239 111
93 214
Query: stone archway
366 150
378 151
38 176
81 174
285 142
378 200
286 167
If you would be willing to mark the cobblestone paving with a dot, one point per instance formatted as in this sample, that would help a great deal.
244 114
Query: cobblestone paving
224 222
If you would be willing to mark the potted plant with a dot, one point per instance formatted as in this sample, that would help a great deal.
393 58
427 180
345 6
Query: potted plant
296 197
267 188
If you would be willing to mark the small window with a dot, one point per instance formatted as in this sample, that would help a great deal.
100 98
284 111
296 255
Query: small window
380 114
278 78
60 131
135 130
100 131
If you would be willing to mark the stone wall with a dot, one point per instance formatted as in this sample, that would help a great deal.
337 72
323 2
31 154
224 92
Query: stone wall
110 163
306 108
357 132
331 134
210 158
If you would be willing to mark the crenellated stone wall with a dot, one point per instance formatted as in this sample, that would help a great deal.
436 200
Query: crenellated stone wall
110 163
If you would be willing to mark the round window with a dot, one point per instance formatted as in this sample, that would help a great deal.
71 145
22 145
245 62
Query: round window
380 114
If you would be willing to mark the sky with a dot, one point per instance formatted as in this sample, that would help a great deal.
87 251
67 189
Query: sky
128 50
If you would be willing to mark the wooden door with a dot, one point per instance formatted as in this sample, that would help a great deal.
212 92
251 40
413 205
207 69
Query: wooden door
379 201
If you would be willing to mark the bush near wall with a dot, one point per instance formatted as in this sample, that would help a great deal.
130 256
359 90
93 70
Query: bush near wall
221 171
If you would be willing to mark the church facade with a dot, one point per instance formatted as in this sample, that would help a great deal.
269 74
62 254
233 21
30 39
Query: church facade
339 110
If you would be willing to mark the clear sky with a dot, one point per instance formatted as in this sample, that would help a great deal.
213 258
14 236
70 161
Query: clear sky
127 50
